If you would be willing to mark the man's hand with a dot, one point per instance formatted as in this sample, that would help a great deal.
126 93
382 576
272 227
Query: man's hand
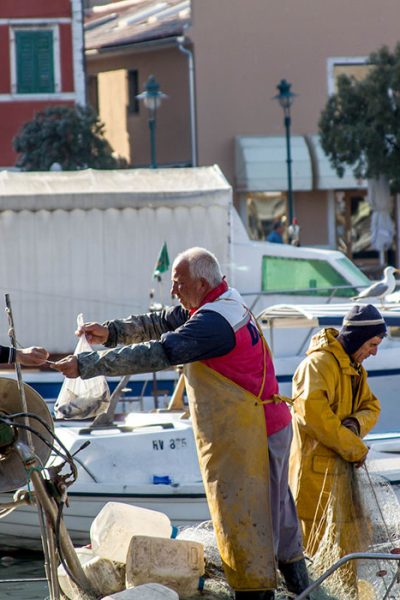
352 424
68 366
94 332
31 357
361 462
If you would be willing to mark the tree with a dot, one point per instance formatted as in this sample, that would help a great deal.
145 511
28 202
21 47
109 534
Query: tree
360 124
72 136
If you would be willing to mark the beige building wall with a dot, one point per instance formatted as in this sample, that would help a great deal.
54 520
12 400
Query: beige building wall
112 109
311 211
251 45
170 68
242 49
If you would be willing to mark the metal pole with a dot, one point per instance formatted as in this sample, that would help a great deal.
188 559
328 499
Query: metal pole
21 389
193 134
152 127
70 555
354 556
289 167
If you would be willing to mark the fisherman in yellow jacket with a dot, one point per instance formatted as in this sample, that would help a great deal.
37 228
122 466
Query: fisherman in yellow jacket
334 409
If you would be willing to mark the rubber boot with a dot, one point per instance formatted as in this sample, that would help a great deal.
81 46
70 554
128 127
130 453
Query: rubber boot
295 575
261 595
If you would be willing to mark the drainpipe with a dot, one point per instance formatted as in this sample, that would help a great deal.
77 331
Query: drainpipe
193 137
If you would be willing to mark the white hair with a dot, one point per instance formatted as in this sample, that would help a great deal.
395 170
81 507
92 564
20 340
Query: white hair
203 264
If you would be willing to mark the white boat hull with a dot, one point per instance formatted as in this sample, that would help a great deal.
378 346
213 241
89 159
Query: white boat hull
120 465
21 528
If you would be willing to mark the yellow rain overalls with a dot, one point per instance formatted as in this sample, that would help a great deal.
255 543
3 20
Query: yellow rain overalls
230 431
327 389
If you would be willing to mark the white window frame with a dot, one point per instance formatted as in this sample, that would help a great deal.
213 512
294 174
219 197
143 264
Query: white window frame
331 63
56 58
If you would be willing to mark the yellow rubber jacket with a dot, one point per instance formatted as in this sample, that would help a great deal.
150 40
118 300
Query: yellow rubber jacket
323 398
231 439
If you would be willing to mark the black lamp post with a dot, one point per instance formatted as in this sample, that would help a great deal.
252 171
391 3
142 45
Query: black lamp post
285 99
152 98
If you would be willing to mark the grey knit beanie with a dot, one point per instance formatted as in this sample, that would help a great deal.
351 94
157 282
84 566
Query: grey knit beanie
360 324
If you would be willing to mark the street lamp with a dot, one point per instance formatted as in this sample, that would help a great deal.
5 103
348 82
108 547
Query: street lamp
285 99
152 98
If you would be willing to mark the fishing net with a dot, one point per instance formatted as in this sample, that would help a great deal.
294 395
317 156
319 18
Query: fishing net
360 513
215 584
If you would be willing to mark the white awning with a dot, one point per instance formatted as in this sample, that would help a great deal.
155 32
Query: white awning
325 176
120 188
261 164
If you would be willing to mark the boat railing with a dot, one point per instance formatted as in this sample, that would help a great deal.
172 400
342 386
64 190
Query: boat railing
302 291
345 559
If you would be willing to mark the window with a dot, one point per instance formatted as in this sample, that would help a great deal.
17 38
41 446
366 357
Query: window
353 221
356 67
93 92
263 210
133 91
295 274
34 61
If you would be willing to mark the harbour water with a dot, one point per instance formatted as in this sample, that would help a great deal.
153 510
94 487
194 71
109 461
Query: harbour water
20 567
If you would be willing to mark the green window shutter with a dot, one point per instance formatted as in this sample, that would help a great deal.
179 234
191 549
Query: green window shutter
35 63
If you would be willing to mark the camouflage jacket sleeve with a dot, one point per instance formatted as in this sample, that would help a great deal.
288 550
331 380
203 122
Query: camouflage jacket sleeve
206 335
128 360
146 327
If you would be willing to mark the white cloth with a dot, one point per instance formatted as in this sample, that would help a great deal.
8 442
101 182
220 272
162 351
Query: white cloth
382 226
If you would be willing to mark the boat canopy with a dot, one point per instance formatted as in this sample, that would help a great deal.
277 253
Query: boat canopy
318 315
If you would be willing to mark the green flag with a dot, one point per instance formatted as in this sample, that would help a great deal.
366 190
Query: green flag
162 264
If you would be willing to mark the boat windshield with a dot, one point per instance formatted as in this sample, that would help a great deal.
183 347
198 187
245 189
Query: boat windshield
310 276
355 274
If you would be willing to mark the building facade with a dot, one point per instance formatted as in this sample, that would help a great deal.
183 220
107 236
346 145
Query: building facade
221 107
41 45
125 43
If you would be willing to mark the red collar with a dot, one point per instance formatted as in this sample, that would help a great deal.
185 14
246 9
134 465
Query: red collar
212 295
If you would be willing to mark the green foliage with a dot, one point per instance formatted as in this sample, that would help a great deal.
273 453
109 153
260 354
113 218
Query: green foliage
72 136
360 124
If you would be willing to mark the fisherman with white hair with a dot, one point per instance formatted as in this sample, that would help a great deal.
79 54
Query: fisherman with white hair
239 419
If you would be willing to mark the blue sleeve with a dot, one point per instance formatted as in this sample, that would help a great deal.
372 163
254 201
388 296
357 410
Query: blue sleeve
7 355
206 335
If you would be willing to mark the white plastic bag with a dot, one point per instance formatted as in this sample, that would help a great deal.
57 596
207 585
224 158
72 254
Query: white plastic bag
82 398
